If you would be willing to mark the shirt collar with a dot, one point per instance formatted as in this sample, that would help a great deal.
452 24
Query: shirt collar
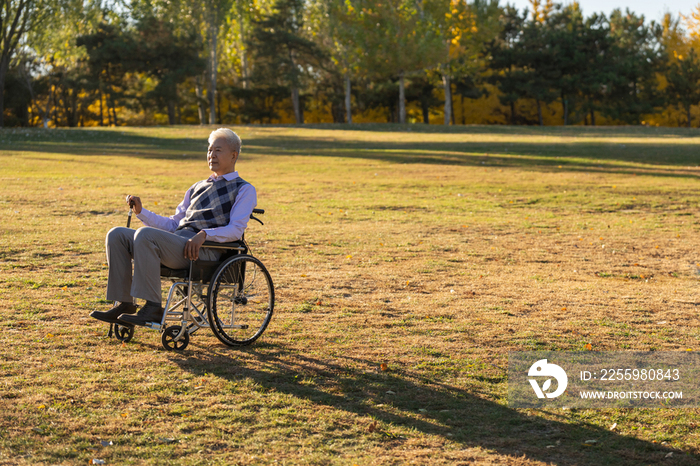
227 177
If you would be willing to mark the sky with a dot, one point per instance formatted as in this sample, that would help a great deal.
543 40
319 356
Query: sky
651 9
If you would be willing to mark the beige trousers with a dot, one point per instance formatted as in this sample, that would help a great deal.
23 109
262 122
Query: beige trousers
148 248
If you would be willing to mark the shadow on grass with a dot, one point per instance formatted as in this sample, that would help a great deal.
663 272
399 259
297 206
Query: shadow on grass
582 153
550 157
429 407
503 130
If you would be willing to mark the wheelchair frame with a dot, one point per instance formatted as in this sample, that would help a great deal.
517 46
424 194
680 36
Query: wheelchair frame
234 297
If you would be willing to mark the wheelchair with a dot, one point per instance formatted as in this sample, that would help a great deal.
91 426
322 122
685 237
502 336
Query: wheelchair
233 296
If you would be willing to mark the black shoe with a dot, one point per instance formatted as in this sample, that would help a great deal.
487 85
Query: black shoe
111 316
148 313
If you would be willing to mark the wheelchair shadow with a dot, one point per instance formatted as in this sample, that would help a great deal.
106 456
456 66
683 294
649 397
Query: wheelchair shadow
400 397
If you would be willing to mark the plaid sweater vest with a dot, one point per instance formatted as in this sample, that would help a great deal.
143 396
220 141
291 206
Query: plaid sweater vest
211 204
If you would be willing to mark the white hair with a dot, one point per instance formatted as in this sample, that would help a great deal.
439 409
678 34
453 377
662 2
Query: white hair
231 138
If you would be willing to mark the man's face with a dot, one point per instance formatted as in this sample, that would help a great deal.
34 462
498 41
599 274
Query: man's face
221 157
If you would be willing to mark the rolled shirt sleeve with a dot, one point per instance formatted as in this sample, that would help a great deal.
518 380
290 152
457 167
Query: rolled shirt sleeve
170 224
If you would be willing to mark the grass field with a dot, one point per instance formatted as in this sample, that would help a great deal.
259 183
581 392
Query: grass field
434 251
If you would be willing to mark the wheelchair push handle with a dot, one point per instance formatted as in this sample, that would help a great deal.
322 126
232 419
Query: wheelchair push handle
257 211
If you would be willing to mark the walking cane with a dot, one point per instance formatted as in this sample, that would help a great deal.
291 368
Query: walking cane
128 225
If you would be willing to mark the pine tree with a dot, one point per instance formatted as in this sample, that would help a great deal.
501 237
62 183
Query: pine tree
283 54
683 78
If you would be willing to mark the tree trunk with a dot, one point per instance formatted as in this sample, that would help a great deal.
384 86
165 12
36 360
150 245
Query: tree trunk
461 103
426 109
213 32
592 117
348 101
402 99
512 113
565 104
11 37
44 115
687 107
218 108
66 107
109 114
4 64
46 118
171 112
446 82
55 109
199 92
32 97
244 57
84 104
298 115
102 118
114 113
539 112
73 109
338 112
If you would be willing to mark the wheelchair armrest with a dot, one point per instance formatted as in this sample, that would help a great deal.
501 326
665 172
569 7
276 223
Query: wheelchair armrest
237 245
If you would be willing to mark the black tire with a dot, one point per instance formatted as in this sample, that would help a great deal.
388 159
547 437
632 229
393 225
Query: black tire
123 332
169 342
241 300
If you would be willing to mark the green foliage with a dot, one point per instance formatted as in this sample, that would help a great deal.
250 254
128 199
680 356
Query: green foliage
684 82
607 65
150 61
284 57
18 98
400 37
637 58
597 68
504 61
279 46
111 56
168 58
18 19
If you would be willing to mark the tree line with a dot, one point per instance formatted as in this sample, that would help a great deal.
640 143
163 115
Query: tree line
116 62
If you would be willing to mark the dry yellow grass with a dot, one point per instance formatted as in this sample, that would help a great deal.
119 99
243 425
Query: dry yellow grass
435 252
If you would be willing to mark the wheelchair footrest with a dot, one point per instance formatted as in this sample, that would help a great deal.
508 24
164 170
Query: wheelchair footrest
153 325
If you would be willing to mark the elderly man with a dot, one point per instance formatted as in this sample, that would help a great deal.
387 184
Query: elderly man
216 209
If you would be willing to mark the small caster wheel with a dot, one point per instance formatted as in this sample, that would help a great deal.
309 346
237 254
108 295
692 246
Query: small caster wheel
123 332
169 342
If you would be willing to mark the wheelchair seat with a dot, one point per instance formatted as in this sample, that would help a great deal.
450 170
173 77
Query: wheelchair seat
203 270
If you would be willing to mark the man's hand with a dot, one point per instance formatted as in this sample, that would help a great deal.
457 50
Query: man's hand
193 245
135 203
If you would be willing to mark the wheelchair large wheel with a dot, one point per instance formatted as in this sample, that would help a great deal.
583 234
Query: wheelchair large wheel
241 300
